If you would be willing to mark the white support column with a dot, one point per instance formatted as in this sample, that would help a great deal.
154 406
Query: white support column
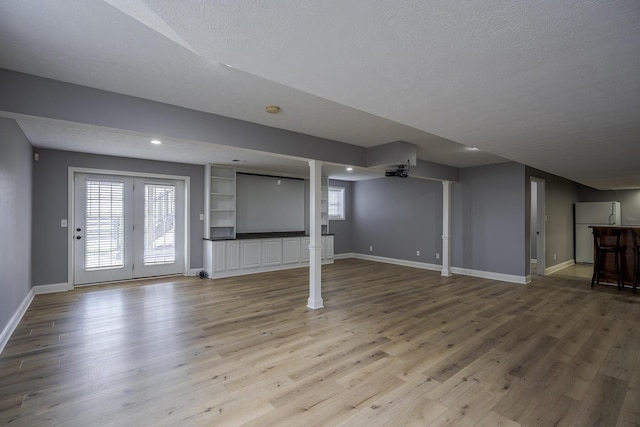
315 246
446 228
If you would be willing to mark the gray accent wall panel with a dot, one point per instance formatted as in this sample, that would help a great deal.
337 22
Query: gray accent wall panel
15 219
488 219
50 205
397 217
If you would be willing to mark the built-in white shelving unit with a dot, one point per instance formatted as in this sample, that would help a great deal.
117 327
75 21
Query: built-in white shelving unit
225 255
324 205
221 202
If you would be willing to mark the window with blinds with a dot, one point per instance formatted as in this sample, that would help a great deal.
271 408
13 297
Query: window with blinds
159 224
104 227
336 203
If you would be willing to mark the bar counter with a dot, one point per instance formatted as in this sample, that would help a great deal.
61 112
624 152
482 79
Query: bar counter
626 257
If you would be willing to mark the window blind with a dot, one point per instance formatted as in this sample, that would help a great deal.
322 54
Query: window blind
104 226
159 224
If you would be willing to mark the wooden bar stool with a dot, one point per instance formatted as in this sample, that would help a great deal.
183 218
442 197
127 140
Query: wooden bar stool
606 242
636 256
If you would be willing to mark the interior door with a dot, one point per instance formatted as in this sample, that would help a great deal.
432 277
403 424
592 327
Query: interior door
127 228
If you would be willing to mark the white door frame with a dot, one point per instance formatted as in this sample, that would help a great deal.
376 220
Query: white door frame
542 219
71 203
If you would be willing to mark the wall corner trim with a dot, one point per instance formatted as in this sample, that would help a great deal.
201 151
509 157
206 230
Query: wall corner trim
15 320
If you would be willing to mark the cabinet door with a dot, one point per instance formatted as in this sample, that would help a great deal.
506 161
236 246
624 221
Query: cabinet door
250 253
291 250
219 261
233 255
304 249
272 251
323 242
328 250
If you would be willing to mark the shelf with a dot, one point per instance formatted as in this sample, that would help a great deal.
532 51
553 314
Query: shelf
221 201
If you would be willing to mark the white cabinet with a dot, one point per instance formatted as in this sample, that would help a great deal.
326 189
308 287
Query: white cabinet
272 252
233 254
250 253
226 258
327 247
219 258
291 250
304 249
220 201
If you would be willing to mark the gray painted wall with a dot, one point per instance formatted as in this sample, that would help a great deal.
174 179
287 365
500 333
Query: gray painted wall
397 216
342 228
15 219
488 219
50 205
629 202
560 195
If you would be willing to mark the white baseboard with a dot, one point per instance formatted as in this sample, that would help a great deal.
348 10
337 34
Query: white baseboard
511 278
558 267
436 267
15 320
52 288
397 261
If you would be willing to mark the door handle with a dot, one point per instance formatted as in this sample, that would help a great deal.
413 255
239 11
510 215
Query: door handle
78 237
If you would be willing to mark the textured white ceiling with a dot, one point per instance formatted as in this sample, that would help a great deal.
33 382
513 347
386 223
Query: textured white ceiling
555 85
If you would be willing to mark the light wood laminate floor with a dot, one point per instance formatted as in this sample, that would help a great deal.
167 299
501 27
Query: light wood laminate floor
393 346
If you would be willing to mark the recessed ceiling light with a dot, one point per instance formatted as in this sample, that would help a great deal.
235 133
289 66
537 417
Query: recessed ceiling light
472 149
349 169
156 142
272 109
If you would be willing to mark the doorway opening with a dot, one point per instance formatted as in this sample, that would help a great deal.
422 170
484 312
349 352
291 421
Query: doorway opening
537 227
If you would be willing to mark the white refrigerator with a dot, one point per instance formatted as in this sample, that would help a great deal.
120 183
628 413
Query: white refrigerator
589 214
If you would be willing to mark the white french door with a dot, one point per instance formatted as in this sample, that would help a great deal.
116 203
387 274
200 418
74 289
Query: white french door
127 227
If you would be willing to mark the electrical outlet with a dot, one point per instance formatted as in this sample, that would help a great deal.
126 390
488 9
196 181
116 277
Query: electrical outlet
417 253
437 255
370 248
201 217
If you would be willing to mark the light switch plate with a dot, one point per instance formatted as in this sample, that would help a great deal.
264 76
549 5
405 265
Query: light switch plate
63 223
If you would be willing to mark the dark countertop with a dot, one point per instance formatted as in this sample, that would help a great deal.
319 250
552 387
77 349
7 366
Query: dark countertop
614 226
265 235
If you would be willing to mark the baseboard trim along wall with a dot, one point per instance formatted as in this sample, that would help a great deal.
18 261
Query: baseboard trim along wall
52 288
15 320
511 278
521 280
397 261
558 267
